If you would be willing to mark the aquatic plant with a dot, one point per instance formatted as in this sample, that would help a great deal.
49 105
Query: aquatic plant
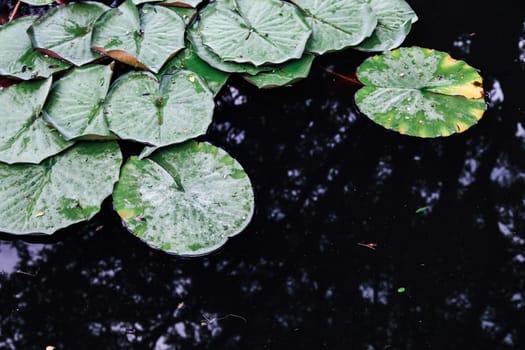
58 154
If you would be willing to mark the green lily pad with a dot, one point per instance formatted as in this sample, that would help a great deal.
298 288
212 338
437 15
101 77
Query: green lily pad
187 14
17 57
214 60
75 104
177 108
337 24
24 136
188 59
38 2
257 32
394 21
62 190
287 74
65 31
145 38
420 92
185 199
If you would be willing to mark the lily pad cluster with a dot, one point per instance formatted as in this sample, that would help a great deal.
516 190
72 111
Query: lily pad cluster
270 42
67 114
273 43
59 158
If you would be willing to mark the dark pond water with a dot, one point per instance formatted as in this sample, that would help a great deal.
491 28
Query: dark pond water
328 182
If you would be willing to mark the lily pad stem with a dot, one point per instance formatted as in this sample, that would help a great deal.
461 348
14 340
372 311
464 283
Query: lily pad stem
352 79
15 10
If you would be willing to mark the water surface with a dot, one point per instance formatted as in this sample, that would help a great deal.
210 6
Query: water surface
338 256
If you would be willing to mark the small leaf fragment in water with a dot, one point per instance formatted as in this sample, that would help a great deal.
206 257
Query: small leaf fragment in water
422 209
401 290
372 246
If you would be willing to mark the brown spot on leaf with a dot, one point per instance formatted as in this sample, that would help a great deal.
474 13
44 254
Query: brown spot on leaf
122 56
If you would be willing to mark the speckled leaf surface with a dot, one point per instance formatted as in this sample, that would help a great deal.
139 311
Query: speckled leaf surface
258 32
177 108
17 57
145 38
394 21
62 190
65 31
75 104
286 74
38 2
420 92
208 56
185 199
24 136
337 24
188 59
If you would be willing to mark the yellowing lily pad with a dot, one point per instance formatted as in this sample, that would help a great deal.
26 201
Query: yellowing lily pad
420 92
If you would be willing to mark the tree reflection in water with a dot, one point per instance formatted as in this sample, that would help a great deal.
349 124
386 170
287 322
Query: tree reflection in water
335 235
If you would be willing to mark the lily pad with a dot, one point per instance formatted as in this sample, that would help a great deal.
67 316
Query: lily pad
188 59
62 190
38 2
394 21
187 14
257 32
18 59
24 136
214 60
420 92
75 104
337 24
145 38
65 31
176 108
185 199
287 74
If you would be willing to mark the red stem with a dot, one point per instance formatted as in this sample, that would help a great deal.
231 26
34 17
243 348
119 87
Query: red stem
348 78
15 10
